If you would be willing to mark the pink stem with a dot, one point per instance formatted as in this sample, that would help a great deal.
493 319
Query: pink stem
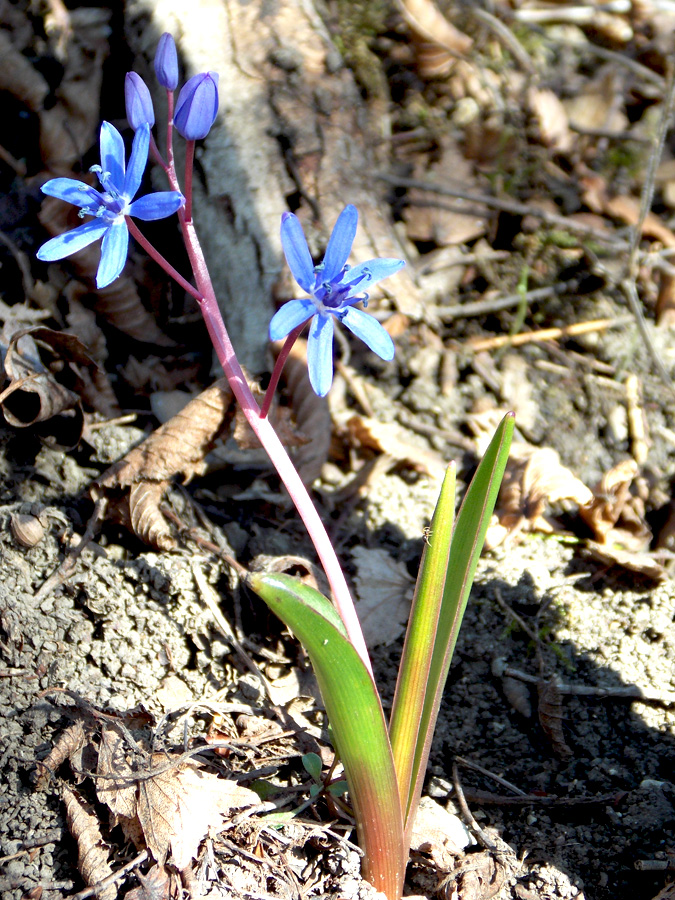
278 369
189 164
157 256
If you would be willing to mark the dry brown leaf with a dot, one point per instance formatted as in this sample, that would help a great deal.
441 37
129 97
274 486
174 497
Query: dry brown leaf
116 787
393 440
551 716
177 808
156 885
439 834
119 303
615 515
384 589
599 103
626 209
311 414
639 563
439 42
551 117
134 485
92 857
69 742
534 479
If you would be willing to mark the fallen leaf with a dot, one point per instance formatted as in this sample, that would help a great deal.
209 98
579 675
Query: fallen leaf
551 117
116 786
92 857
156 885
394 440
551 716
439 834
179 806
615 516
135 484
69 742
384 590
438 41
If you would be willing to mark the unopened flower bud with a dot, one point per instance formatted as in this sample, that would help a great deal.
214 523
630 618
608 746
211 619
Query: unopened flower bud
138 101
166 62
197 106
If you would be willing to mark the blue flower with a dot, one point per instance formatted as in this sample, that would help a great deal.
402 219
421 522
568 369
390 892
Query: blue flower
166 62
197 106
109 206
138 101
334 287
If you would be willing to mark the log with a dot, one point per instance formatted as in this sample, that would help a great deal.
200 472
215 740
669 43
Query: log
292 133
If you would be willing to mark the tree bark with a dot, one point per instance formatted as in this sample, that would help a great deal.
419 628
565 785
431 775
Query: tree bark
292 133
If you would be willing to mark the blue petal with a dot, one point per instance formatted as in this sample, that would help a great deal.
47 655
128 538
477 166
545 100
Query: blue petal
156 206
291 314
370 331
320 354
137 161
296 251
112 154
364 275
114 250
72 241
340 243
76 192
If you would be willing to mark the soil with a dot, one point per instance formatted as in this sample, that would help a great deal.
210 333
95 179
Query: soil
554 639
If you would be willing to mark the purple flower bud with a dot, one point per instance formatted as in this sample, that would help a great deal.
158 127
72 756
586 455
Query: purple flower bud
138 101
197 106
166 62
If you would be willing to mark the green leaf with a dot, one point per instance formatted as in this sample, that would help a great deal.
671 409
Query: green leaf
313 766
441 595
357 722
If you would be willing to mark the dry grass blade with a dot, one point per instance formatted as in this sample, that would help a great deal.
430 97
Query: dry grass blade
134 485
92 857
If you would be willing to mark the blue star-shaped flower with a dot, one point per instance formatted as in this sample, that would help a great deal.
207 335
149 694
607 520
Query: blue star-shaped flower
334 287
109 206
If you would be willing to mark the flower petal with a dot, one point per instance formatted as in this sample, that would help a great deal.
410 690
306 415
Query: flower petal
113 253
289 316
296 251
364 275
112 153
340 243
370 331
137 161
72 241
156 206
320 354
76 192
197 106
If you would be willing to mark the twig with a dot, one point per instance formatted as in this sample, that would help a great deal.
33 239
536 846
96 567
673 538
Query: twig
514 615
630 692
546 334
509 206
507 37
111 879
485 307
498 778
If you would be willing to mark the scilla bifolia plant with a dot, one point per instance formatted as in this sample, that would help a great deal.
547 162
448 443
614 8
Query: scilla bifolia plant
384 762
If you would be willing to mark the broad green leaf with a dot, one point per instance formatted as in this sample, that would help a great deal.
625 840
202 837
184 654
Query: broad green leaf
440 602
357 723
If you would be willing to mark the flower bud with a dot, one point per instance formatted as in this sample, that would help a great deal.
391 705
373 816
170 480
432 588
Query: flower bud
138 101
197 106
166 62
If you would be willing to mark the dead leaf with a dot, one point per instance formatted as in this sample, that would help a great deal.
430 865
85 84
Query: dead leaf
384 589
551 716
599 103
117 785
626 209
534 479
156 885
551 117
615 516
92 857
69 742
639 563
438 41
135 484
178 807
394 440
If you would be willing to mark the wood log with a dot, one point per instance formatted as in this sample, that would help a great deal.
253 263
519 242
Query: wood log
292 133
